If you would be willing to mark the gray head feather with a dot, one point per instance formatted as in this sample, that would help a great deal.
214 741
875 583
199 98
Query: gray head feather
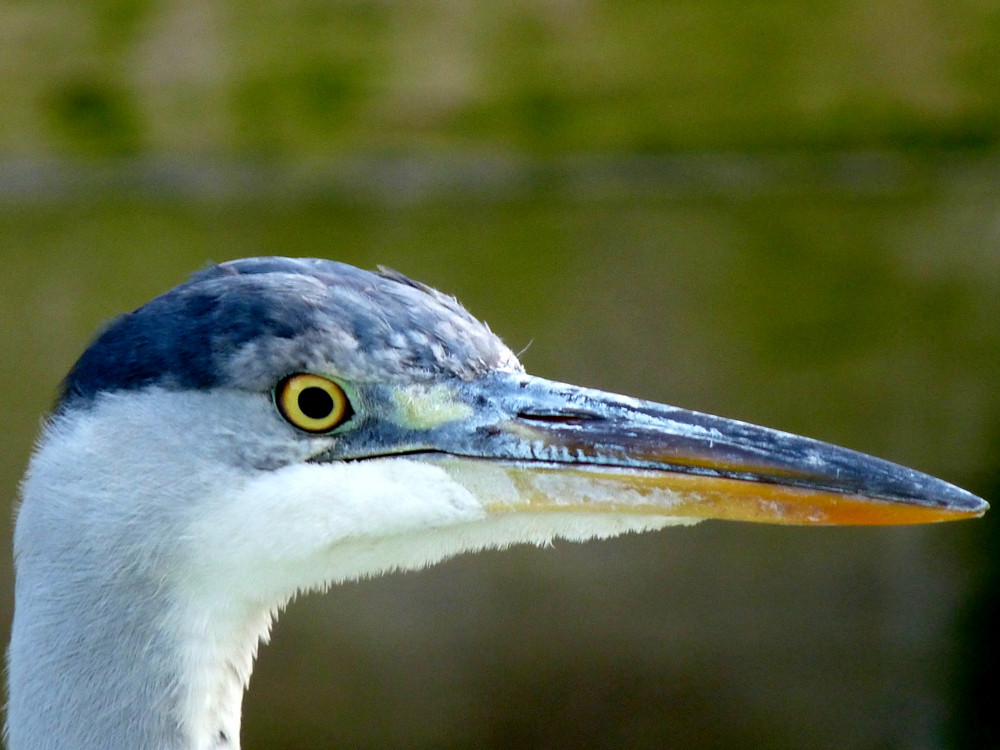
249 322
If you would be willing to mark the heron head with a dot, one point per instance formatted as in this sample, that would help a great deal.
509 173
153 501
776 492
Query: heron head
364 421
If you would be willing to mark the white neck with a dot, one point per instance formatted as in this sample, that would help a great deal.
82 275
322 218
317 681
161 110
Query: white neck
121 673
106 649
152 555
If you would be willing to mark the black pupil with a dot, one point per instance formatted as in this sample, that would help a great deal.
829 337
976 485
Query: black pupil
315 403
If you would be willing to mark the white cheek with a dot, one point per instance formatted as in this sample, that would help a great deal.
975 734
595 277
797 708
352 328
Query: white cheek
307 525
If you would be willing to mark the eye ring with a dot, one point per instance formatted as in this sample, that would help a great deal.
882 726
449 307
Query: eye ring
312 403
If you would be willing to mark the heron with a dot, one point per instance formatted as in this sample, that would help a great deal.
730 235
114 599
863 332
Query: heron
277 425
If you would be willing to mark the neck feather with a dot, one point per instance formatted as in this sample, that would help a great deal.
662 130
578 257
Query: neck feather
107 650
116 671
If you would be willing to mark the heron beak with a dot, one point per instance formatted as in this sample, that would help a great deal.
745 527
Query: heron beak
556 447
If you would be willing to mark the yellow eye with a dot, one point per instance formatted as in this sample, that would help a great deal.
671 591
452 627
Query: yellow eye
312 403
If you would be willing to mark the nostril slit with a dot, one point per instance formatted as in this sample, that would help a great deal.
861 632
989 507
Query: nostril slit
568 416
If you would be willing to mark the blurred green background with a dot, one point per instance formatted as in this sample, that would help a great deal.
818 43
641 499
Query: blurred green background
784 212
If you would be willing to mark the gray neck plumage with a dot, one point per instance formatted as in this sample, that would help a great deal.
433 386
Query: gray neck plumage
107 651
91 666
